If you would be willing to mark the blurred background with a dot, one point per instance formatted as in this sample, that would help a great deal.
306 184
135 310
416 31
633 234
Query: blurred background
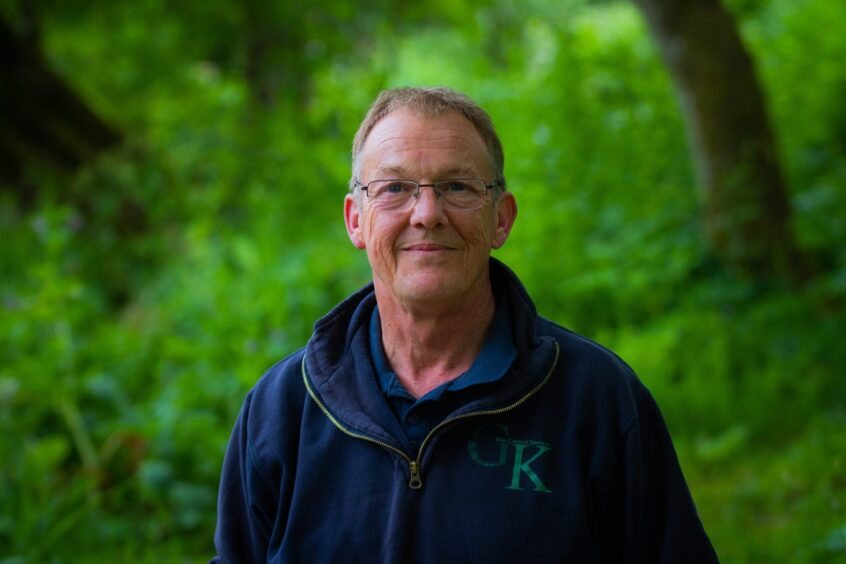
171 185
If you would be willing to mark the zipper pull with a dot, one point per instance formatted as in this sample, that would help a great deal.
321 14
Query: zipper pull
416 483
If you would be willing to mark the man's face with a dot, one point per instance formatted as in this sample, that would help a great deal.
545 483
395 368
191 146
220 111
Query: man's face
427 254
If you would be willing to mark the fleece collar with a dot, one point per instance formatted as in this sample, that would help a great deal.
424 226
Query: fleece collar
338 365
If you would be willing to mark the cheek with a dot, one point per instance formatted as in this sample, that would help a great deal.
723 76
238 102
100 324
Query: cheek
480 233
379 238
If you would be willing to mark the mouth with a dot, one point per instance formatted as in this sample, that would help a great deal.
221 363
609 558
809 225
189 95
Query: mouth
428 247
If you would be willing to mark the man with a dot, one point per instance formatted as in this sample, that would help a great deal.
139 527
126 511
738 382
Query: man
433 416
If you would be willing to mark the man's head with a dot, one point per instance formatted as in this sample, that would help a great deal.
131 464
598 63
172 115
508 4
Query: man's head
430 102
434 247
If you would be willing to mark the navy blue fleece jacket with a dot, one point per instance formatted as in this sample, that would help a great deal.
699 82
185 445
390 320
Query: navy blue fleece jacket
566 459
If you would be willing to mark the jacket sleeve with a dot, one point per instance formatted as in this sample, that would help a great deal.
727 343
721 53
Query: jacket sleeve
660 522
244 518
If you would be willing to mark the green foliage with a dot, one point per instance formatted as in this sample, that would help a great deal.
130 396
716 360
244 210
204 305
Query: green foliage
785 501
144 296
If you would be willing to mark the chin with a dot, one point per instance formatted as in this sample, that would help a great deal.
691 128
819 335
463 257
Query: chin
430 289
421 286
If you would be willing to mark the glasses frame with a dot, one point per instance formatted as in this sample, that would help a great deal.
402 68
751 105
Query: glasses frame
416 195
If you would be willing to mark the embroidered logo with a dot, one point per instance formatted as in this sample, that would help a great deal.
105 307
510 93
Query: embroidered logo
491 445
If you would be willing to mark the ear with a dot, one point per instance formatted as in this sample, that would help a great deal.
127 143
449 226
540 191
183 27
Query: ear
506 213
352 219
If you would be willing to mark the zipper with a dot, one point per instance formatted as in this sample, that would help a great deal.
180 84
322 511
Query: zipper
415 481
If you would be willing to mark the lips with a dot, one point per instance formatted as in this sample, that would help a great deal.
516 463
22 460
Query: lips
428 247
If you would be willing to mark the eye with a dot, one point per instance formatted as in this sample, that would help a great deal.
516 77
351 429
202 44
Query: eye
454 186
394 188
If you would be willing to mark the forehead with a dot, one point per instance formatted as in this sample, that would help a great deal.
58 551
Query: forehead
420 146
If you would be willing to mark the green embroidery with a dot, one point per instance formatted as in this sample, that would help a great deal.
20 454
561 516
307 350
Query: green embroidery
474 449
521 464
523 467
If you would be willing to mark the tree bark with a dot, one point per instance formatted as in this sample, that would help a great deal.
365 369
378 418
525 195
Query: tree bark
275 52
746 206
42 120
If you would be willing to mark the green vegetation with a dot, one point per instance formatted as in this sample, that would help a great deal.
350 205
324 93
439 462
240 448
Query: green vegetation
142 295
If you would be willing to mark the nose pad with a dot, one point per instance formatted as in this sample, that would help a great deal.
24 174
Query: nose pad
418 202
428 210
420 193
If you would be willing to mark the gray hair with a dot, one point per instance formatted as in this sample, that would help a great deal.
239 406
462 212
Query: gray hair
432 101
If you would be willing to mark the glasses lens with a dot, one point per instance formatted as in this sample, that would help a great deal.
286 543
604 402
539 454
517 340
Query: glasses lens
391 194
463 194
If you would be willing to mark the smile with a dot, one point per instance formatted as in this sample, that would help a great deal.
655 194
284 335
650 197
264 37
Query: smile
428 247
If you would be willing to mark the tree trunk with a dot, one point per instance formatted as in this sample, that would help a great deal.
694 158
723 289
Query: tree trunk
42 120
275 52
746 205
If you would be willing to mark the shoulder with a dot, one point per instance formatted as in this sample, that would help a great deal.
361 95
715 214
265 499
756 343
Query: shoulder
273 408
595 378
281 379
579 348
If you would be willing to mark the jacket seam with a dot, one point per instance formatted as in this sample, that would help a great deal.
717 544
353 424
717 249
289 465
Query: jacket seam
627 428
251 455
255 465
624 438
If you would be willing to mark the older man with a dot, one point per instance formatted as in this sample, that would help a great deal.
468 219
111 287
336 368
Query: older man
433 416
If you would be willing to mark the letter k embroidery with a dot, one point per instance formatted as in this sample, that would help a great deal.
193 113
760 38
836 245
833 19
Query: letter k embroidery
521 467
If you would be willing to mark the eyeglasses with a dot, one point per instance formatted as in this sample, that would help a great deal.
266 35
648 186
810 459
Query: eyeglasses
459 194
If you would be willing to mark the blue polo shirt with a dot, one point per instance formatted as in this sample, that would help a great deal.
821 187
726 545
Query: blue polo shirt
418 416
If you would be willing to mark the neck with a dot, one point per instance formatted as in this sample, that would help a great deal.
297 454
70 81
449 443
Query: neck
427 345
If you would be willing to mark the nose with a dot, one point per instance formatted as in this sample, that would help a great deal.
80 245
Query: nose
427 210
